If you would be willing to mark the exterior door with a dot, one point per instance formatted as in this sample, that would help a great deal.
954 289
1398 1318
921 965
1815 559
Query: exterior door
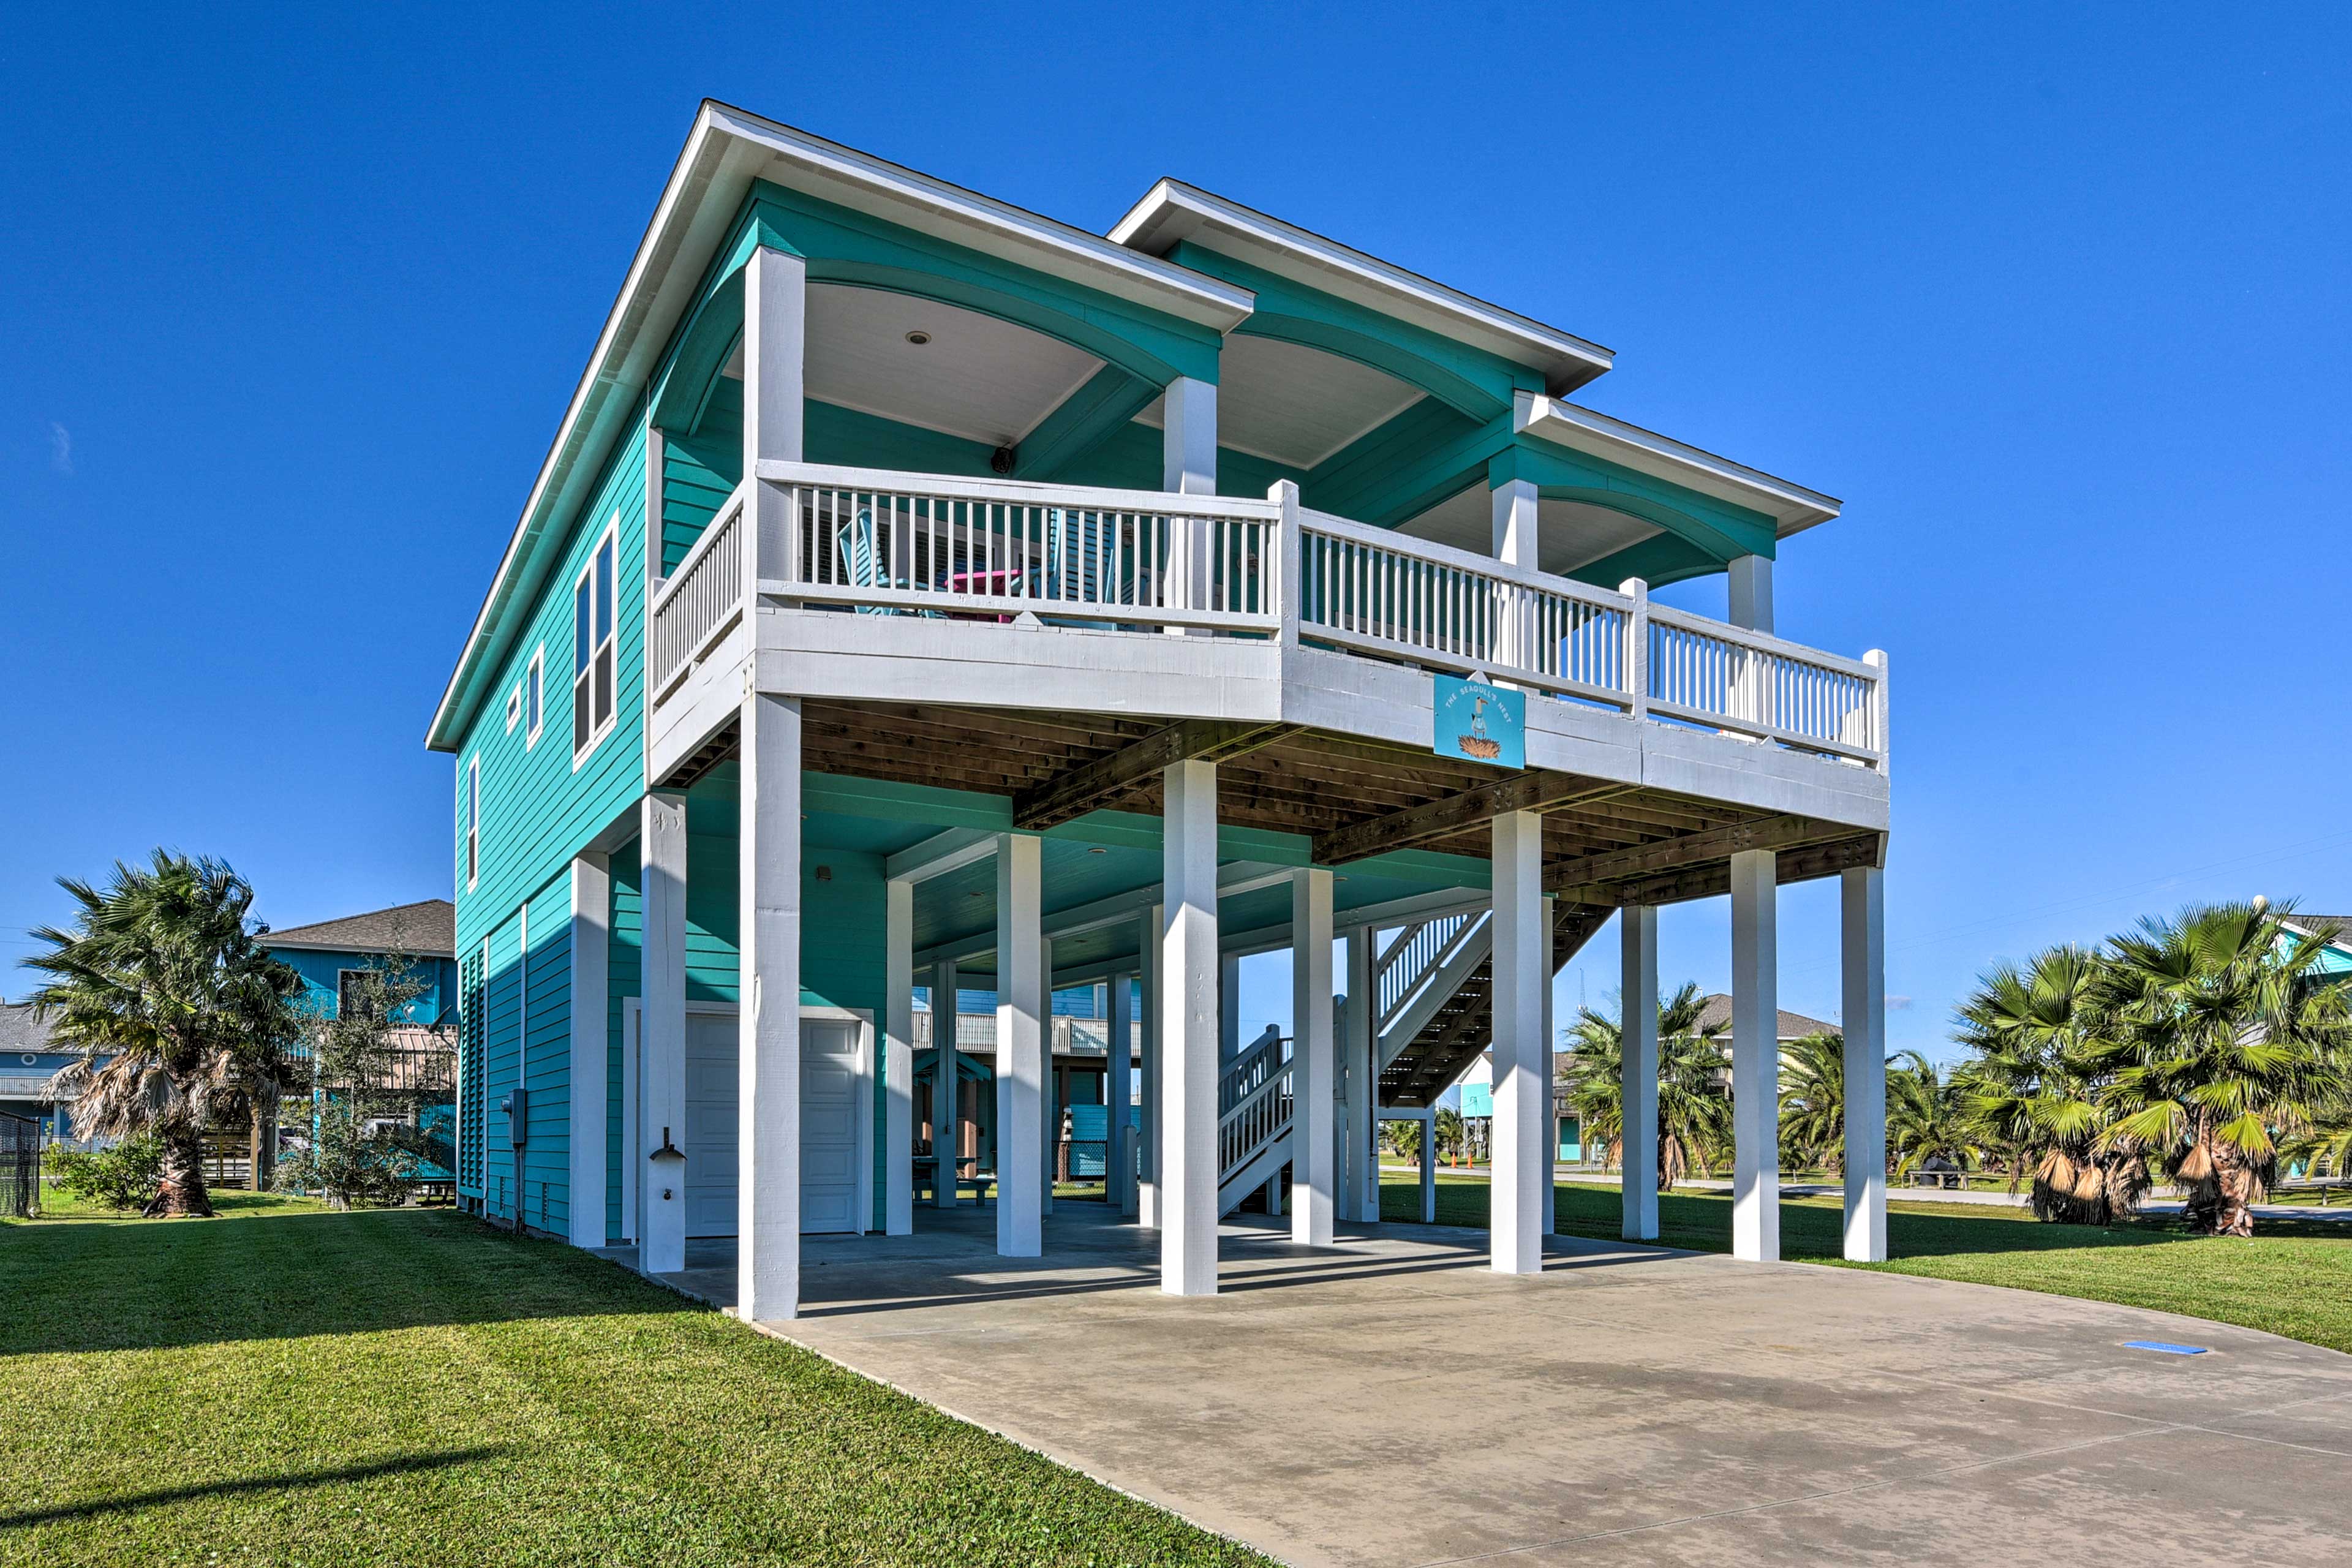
829 1141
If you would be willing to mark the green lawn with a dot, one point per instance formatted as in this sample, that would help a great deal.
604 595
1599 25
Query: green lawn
286 1386
2294 1278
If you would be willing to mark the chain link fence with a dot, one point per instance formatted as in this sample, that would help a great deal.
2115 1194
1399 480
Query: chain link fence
20 1166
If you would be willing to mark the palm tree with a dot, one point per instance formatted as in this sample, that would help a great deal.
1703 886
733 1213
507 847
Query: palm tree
1926 1116
1812 1102
2034 1087
162 986
1694 1093
2219 1042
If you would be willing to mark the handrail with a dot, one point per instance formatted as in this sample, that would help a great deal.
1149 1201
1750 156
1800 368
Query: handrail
882 542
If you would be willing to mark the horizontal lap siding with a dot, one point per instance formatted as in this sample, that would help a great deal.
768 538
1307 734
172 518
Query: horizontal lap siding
537 810
700 471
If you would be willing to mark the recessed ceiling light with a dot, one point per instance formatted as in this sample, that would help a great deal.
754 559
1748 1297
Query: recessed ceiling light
1096 849
919 339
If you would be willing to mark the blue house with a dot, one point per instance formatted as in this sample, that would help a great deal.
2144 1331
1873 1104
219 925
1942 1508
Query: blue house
923 596
29 1058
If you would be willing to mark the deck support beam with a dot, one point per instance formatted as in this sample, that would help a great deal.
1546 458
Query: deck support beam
1119 1097
1522 1098
768 1198
1311 1056
1188 1033
1360 1190
661 1183
1638 1068
1147 1183
1863 934
1755 1058
1020 1043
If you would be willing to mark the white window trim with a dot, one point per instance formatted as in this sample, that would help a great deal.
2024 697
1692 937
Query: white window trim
582 750
536 675
473 822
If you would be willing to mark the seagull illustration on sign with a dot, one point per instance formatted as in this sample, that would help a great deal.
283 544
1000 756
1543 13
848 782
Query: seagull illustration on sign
1475 741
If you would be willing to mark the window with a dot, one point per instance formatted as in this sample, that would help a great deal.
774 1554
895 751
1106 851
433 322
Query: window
592 648
346 980
532 682
514 708
473 822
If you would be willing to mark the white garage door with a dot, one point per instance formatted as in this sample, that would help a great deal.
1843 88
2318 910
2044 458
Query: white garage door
828 1124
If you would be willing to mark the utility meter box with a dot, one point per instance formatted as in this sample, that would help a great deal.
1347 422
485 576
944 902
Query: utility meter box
517 1107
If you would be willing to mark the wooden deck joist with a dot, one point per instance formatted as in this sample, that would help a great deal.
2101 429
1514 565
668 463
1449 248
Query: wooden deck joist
1101 781
1537 789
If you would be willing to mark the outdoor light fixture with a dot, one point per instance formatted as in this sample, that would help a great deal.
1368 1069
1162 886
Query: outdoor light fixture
919 339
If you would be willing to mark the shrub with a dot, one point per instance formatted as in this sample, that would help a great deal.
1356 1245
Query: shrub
127 1176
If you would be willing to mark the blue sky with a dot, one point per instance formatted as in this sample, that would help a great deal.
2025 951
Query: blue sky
2057 303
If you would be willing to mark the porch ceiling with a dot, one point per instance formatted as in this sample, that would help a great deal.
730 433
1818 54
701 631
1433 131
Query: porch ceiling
1568 534
1294 404
976 376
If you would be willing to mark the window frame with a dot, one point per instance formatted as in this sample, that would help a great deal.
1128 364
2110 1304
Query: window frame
603 650
534 698
514 709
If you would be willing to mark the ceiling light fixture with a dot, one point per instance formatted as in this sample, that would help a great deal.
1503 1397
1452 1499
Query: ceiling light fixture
919 339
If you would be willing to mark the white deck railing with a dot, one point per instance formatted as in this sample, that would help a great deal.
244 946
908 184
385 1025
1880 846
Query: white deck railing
882 542
701 599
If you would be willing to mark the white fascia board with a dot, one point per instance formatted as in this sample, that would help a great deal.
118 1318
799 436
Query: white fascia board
1791 506
1173 211
727 150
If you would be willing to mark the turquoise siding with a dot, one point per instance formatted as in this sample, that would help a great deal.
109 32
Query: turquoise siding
624 969
547 1060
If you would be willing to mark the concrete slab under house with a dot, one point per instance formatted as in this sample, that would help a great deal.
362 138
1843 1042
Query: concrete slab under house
925 599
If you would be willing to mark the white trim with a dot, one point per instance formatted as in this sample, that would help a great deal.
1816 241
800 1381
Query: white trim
472 837
514 707
582 750
1791 506
534 695
1172 210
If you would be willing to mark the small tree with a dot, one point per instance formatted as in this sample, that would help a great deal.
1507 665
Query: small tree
163 985
362 1153
1694 1090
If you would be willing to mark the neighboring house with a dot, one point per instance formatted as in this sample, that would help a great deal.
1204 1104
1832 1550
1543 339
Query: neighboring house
419 941
29 1058
1714 1018
2336 954
923 593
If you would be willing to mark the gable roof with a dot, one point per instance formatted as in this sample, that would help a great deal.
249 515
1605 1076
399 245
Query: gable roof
21 1031
1173 211
1715 1018
427 929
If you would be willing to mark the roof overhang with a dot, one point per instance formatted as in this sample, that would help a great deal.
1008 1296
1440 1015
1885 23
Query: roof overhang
1172 211
276 941
728 150
1792 508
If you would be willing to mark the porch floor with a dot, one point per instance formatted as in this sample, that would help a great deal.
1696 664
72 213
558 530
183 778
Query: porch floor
1389 1400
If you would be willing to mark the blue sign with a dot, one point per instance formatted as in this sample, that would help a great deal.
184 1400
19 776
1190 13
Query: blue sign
1481 722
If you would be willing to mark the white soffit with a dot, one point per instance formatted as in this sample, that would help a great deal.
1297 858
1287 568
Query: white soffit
1172 211
1569 535
1791 506
1296 405
978 377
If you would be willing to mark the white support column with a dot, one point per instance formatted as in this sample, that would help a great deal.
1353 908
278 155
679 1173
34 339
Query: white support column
591 1007
1188 1033
661 1179
775 338
768 1145
1865 944
1544 1076
898 1058
1359 1189
947 1086
1311 1058
1755 1058
1751 593
1049 1096
1429 1166
1119 1097
1189 467
1522 929
1020 1043
1229 1009
1638 1085
1515 524
1147 1183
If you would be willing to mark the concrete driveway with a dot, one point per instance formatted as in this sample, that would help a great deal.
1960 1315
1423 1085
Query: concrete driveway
1390 1401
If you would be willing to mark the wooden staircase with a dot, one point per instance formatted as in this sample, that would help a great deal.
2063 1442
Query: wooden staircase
1457 1026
